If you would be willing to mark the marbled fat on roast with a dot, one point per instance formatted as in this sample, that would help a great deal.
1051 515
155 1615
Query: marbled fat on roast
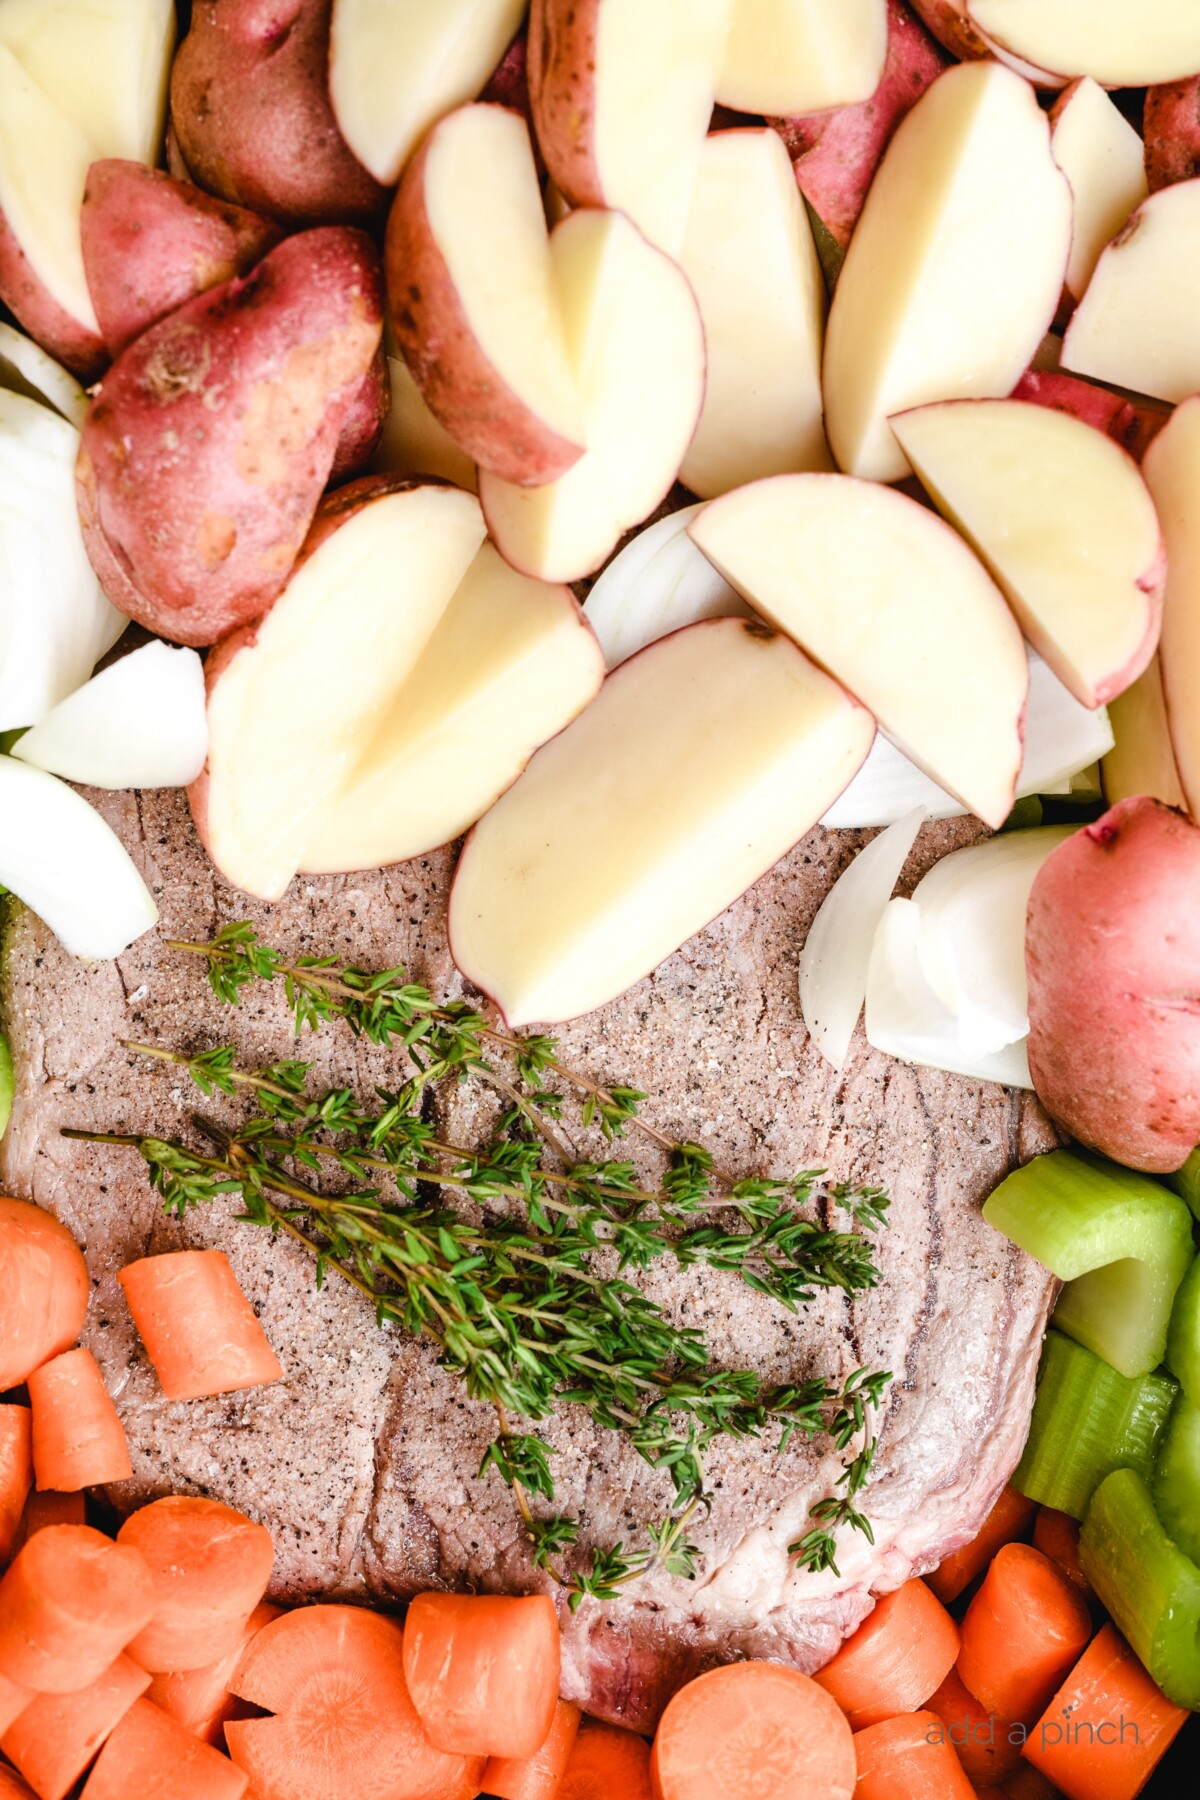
363 1460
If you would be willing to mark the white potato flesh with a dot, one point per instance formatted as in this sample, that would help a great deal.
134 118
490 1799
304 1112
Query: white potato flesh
750 257
103 63
657 584
802 56
44 160
1141 759
1102 157
955 268
636 345
140 723
1116 43
413 441
888 599
510 664
1138 325
293 709
397 66
1172 469
1062 518
26 369
701 762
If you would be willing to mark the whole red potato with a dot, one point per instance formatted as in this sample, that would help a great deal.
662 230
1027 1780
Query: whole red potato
1112 953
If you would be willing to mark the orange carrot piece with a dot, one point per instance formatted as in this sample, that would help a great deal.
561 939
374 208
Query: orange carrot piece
898 1656
200 1699
78 1440
16 1473
1023 1630
1029 1784
211 1566
12 1787
752 1727
1056 1535
1108 1726
604 1762
482 1671
69 1604
538 1777
199 1329
48 1508
13 1701
46 1290
150 1757
1009 1519
988 1748
344 1725
908 1758
56 1737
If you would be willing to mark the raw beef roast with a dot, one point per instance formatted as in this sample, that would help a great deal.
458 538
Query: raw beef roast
363 1460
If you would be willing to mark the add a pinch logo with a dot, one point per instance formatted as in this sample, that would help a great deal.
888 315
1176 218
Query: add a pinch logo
987 1732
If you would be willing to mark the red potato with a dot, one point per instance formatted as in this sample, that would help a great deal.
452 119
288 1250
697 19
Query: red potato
1134 424
366 416
950 24
508 85
210 1566
150 243
252 118
212 437
1112 953
45 1291
1171 132
73 344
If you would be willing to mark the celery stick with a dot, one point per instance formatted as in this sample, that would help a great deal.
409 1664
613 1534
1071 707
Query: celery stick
1177 1477
1147 1583
1119 1240
1183 1334
1088 1421
1186 1181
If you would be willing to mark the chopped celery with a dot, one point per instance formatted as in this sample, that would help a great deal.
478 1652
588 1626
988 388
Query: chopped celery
1088 1421
1177 1477
1119 1240
1183 1335
1147 1583
1186 1182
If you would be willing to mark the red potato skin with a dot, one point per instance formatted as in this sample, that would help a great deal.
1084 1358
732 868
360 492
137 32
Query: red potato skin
1132 424
47 323
211 439
1112 954
1171 131
835 154
151 243
252 118
365 420
953 29
561 62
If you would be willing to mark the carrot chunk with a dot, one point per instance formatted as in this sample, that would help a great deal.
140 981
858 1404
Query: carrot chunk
48 1508
604 1762
908 1758
988 1748
538 1777
210 1566
69 1604
898 1656
1009 1519
46 1290
1029 1784
56 1737
78 1440
198 1327
150 1757
752 1727
13 1701
344 1725
482 1671
16 1473
1108 1726
12 1787
1056 1535
1023 1630
200 1699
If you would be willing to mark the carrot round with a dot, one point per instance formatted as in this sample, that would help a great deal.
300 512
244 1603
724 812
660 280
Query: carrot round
898 1656
752 1727
1009 1519
16 1473
56 1737
1056 1535
604 1762
45 1290
210 1566
908 1758
199 1329
344 1725
538 1777
1021 1633
78 1440
988 1748
150 1757
200 1699
48 1508
69 1605
1108 1726
482 1670
13 1701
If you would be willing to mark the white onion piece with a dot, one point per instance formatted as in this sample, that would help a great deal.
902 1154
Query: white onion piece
58 855
139 724
837 951
26 369
657 584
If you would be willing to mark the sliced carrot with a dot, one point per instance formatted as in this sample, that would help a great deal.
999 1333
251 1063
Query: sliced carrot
69 1604
752 1727
1029 1784
605 1762
199 1329
211 1566
150 1757
898 1656
49 1508
1023 1630
538 1777
344 1726
482 1670
1108 1726
200 1699
12 1787
988 1748
78 1440
1009 1519
57 1736
16 1473
13 1701
1056 1535
908 1758
46 1290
